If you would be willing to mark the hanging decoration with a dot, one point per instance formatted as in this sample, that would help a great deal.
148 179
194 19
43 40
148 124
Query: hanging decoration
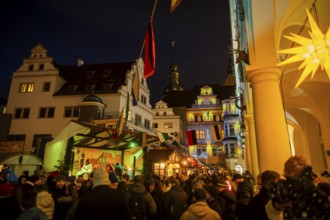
313 51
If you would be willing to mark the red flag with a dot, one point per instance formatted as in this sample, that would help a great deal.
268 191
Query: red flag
191 137
149 52
174 5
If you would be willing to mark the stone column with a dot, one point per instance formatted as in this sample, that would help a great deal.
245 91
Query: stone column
273 146
252 144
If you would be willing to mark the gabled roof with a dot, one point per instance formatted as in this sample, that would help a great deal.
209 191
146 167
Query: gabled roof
187 98
113 74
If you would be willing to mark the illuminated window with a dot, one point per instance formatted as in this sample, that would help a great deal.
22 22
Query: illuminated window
46 87
48 112
71 112
168 125
220 151
22 113
159 169
201 151
26 87
200 134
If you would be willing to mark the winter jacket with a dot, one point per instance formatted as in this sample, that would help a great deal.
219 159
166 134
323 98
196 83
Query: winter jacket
46 203
227 201
102 203
33 213
176 201
257 205
151 205
200 210
214 204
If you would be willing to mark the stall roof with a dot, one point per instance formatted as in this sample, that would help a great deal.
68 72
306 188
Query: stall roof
101 137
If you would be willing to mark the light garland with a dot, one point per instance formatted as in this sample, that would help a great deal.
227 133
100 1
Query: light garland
313 51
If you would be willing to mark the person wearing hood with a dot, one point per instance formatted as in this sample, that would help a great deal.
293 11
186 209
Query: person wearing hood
46 203
175 200
199 209
138 188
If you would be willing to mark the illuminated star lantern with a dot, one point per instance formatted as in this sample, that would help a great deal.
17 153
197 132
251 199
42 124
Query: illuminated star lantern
313 51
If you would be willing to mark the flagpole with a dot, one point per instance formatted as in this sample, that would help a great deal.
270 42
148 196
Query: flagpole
152 15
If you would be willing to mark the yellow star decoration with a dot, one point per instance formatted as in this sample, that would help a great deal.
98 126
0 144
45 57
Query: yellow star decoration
314 52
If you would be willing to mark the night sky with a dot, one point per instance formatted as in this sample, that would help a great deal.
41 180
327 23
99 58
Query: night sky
107 31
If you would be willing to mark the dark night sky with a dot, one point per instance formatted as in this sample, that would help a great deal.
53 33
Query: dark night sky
106 31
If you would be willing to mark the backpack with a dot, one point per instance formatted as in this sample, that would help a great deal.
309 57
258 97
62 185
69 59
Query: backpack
137 206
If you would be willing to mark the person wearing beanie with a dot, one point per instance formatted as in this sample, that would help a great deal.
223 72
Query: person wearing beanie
102 202
227 200
46 203
212 198
200 210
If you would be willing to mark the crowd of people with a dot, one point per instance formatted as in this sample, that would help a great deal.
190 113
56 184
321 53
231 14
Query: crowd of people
297 194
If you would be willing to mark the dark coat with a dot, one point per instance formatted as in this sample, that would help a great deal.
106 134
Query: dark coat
257 205
176 202
140 188
214 204
227 201
102 203
9 208
159 199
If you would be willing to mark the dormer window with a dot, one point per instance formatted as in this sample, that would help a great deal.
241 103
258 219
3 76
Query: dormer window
106 73
90 74
72 88
89 88
107 87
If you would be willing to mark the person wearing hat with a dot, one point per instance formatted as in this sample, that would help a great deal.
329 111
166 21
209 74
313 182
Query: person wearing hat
102 202
200 210
227 200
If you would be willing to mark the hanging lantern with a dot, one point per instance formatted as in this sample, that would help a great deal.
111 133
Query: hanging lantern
313 51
